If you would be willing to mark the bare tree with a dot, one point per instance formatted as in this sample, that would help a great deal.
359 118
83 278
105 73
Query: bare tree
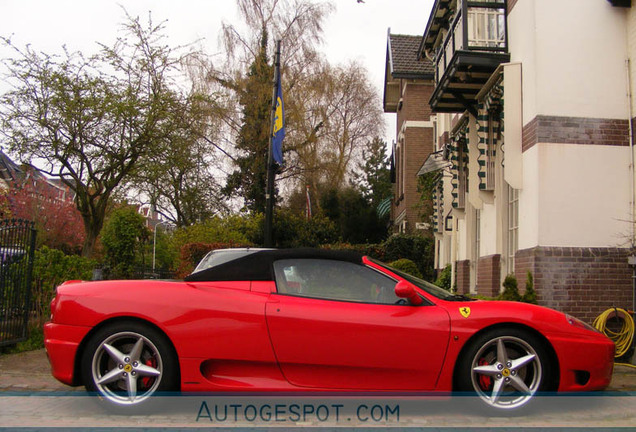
336 113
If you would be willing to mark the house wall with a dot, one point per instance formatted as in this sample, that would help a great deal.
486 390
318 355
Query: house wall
575 69
631 51
415 141
576 184
576 202
580 124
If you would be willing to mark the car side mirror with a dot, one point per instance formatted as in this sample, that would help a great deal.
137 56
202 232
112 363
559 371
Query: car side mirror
405 290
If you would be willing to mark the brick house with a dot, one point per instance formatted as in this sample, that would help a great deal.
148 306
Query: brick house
534 113
13 176
408 85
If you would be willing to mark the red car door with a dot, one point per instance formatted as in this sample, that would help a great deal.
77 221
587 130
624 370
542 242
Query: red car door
339 328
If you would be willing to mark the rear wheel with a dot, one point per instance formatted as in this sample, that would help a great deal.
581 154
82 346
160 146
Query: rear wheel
505 368
126 363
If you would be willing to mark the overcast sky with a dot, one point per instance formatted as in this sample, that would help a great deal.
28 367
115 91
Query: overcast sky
354 31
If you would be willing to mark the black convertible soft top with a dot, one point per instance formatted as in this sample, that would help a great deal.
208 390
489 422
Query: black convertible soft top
258 266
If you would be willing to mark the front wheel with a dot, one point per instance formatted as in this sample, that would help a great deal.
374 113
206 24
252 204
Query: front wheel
127 362
505 368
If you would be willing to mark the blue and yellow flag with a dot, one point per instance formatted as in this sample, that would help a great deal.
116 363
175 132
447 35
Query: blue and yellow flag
279 124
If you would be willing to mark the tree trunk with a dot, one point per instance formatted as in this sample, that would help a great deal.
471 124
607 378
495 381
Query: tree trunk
92 228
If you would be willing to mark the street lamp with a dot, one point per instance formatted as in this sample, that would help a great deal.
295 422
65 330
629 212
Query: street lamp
154 245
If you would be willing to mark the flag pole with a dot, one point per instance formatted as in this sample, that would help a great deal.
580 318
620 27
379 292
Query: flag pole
271 167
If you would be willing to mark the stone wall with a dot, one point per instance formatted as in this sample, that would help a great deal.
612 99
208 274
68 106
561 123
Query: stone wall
488 276
580 281
463 277
575 130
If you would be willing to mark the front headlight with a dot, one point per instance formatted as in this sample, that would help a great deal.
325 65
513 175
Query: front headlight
580 324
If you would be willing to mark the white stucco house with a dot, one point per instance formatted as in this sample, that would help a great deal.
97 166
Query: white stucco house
534 146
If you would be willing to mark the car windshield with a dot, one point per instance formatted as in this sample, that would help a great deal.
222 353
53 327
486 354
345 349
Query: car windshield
420 283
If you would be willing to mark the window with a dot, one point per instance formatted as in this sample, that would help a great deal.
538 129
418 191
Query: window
477 234
486 27
334 280
402 171
491 148
513 227
462 173
476 250
435 137
399 173
439 206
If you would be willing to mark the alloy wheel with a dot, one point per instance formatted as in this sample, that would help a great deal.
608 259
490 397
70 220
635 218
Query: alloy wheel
506 372
127 368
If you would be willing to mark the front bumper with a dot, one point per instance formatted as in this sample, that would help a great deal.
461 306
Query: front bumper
585 364
61 342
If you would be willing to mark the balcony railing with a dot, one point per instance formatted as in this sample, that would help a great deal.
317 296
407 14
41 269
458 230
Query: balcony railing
484 29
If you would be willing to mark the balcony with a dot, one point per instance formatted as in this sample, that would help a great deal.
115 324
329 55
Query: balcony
467 39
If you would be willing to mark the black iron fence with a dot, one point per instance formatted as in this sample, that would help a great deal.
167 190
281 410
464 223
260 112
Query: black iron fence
17 248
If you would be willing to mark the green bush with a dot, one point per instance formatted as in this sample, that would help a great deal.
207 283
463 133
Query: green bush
230 229
415 248
162 245
530 295
51 267
34 341
418 249
123 237
372 250
407 266
511 291
444 278
293 230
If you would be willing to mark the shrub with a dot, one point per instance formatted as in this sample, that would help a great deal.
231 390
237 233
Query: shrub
418 249
372 250
511 292
292 230
123 237
530 295
444 278
230 229
51 267
407 266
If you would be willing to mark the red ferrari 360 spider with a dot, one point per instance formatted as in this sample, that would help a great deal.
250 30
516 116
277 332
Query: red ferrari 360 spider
313 321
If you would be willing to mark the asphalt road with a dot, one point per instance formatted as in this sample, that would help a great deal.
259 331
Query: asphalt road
30 397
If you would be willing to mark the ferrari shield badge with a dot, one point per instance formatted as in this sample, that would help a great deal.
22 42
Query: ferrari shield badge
465 311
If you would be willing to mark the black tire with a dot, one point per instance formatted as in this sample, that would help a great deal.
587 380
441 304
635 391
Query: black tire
505 368
127 362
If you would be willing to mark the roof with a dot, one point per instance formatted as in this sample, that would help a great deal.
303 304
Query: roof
403 58
259 266
402 63
9 170
440 16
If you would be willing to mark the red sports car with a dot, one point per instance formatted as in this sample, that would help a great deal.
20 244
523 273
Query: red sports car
313 320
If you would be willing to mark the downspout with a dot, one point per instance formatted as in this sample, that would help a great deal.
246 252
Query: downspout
631 147
633 188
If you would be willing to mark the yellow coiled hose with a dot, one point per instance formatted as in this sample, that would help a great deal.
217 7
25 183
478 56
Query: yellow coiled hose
622 337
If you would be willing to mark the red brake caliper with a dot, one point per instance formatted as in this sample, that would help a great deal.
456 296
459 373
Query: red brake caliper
147 380
485 382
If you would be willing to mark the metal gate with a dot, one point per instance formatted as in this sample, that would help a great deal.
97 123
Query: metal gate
17 249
